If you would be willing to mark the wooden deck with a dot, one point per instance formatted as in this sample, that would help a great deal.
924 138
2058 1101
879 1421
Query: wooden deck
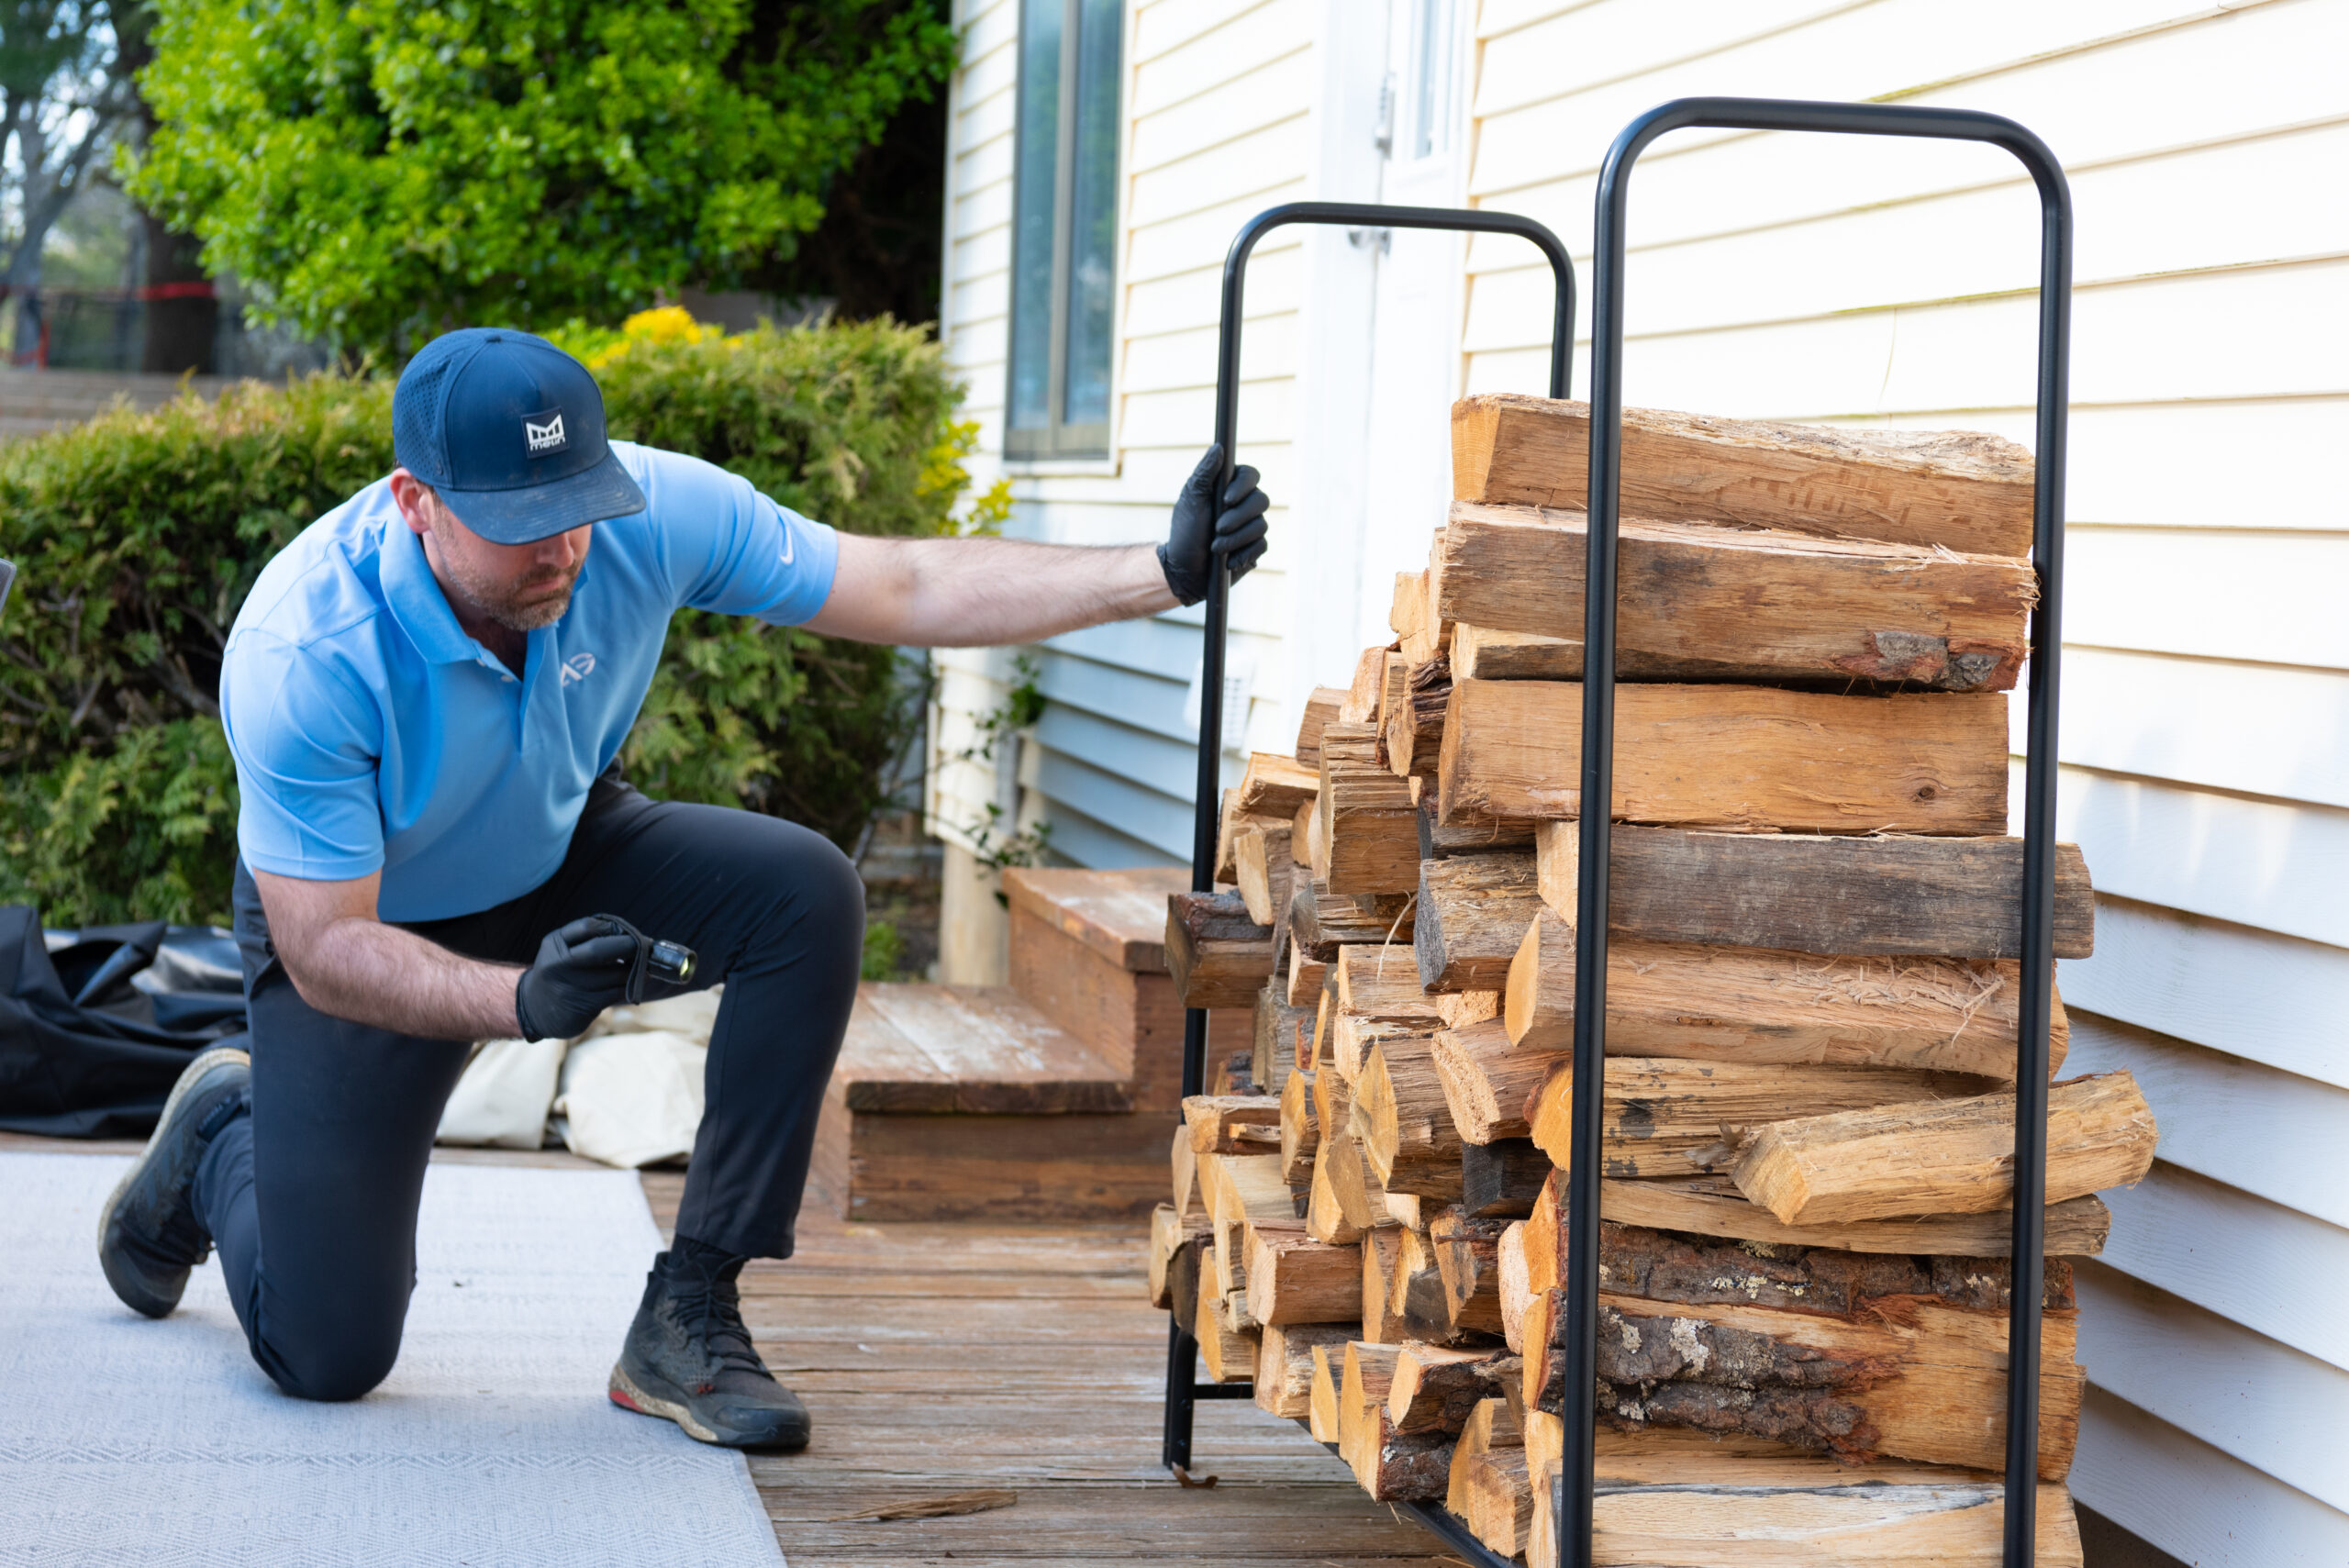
940 1358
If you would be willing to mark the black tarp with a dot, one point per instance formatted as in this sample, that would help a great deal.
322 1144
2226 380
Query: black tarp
94 1035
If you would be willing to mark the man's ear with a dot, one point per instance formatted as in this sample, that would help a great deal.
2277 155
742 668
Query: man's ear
408 494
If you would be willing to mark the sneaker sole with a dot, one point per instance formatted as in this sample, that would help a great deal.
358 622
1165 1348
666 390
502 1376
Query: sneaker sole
628 1394
204 1063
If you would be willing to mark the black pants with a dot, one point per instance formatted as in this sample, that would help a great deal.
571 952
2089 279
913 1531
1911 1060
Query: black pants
312 1200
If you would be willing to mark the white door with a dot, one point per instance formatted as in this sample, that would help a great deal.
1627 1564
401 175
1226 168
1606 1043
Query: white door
1415 332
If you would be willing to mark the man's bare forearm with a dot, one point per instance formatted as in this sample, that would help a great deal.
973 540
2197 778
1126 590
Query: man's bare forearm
370 972
975 593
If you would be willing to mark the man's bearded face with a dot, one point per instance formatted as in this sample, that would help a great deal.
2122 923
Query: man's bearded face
521 586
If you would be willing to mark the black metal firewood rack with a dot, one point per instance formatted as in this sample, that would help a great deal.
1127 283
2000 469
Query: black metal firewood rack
1573 1498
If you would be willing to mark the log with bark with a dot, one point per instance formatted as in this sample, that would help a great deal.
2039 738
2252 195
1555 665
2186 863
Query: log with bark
1809 892
1502 1179
1467 1253
1751 758
1699 603
1412 732
1218 957
1321 921
1437 1388
1956 489
1758 1005
1947 1156
1392 1466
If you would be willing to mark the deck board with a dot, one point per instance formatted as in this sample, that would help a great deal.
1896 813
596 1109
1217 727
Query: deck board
943 1358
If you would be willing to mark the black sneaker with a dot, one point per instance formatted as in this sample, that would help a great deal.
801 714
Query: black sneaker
688 1358
148 1233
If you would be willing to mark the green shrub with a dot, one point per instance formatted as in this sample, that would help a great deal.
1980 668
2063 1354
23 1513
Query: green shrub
138 535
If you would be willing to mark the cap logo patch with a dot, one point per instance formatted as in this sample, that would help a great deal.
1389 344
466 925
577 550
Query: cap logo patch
542 433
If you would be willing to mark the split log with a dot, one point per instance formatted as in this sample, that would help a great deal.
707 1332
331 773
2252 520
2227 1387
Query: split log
1459 1009
1183 1272
1218 957
1168 1233
1226 1354
1283 1033
1301 979
1264 870
1189 1199
1420 636
1516 1284
1732 756
1329 1372
1379 982
1381 1251
1488 1084
1300 1132
1499 1495
1306 843
1347 1200
1437 1388
1293 1278
1470 834
1231 821
1275 785
1360 706
1940 897
1694 1503
1757 1004
1242 1187
1502 1179
1413 1146
1394 689
1488 653
1958 489
1322 921
1232 1124
1284 1364
1699 603
1490 1426
1472 916
1660 1110
1417 1307
1391 1466
1953 1156
1321 709
1412 733
1468 1254
1711 1205
1365 818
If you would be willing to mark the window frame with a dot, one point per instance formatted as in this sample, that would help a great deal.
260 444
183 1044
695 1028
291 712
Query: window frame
1057 441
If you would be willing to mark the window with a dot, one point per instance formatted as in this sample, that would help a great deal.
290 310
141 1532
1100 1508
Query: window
1064 217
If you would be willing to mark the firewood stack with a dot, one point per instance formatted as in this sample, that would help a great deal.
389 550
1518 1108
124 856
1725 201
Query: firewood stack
1812 1012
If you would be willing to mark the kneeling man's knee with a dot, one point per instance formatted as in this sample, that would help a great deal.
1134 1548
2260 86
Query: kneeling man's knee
333 1370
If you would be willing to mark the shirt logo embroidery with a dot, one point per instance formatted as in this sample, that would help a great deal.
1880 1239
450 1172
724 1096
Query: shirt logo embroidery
544 434
577 668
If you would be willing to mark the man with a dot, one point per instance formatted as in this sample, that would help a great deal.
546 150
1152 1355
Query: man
425 695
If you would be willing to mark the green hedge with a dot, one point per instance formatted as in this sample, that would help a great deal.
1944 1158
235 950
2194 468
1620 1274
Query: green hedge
138 535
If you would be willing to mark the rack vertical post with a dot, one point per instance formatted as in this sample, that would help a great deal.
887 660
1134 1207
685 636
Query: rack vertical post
1575 1495
1182 1387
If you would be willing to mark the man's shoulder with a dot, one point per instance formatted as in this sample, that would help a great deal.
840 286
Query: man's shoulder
325 584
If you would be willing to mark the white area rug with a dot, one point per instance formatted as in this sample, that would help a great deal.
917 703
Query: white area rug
124 1440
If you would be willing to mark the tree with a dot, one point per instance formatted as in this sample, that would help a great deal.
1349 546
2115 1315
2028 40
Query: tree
62 94
385 170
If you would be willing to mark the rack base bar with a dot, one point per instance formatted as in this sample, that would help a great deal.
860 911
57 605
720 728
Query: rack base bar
1446 1526
1223 1391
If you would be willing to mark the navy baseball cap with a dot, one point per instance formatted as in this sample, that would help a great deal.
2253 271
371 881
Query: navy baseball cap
508 431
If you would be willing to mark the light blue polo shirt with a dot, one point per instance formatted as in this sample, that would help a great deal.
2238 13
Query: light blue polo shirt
371 732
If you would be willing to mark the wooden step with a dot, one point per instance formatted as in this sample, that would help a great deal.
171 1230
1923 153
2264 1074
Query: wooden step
966 1103
1088 949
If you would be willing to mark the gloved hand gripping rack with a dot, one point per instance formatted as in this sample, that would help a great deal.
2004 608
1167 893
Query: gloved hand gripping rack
1573 1499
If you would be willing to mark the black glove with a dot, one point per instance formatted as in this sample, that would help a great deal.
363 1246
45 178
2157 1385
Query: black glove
1238 534
582 969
